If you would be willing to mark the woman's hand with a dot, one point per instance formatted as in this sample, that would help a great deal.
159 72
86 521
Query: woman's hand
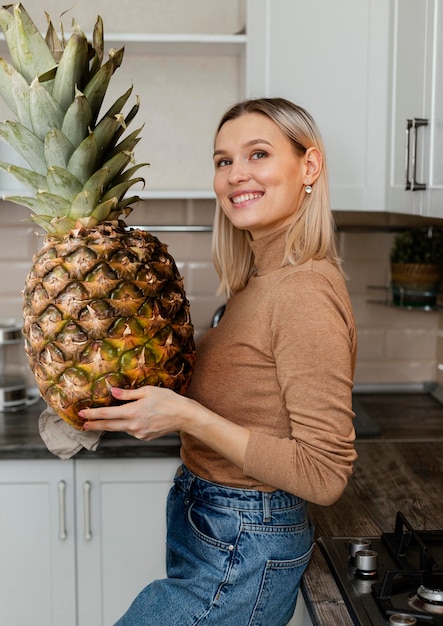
145 413
151 412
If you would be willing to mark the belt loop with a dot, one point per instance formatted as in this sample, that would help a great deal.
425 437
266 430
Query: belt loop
189 484
266 506
185 479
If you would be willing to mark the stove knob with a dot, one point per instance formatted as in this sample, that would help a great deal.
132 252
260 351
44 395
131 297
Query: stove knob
402 620
366 562
355 545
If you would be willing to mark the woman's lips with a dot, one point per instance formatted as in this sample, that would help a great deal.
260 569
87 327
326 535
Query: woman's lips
246 197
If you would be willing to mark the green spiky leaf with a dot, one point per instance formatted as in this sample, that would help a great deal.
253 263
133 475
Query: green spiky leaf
77 120
58 149
62 183
25 143
30 179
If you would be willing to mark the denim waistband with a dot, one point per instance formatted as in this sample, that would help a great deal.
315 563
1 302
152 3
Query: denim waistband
233 497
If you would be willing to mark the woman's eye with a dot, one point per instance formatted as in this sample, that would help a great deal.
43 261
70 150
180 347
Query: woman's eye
260 154
223 163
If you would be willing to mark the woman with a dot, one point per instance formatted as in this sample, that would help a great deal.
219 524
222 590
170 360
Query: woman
267 423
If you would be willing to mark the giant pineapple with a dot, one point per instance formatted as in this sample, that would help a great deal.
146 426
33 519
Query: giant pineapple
104 305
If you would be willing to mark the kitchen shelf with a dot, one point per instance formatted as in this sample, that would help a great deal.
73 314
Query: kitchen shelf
424 309
172 44
179 44
388 301
155 194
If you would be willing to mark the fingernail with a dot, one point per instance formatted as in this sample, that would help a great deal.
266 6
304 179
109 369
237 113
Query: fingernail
86 426
81 414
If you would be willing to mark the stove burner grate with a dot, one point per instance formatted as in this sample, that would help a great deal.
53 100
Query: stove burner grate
407 578
412 548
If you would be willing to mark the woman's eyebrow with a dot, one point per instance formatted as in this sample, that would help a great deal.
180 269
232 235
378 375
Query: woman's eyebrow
248 144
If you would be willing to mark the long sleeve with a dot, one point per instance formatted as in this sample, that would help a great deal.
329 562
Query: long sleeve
313 345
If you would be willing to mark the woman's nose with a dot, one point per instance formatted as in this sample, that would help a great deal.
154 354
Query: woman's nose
238 172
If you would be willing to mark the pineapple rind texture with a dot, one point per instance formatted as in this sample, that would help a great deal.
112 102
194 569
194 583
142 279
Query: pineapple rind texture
105 307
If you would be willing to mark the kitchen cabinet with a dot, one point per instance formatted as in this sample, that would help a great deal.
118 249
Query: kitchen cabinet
121 532
79 539
37 544
332 59
416 153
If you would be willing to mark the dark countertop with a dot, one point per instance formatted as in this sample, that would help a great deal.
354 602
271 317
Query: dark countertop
399 470
20 439
400 467
380 416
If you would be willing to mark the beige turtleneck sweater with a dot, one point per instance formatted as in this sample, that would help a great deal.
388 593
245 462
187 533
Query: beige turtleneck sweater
281 363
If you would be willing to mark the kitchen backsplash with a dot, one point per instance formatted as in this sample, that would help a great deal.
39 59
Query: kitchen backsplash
395 345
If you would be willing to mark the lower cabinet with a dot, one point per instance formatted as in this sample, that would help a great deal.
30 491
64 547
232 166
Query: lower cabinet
79 539
121 533
37 543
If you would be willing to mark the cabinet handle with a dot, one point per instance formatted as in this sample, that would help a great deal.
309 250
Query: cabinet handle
62 532
87 534
407 159
416 124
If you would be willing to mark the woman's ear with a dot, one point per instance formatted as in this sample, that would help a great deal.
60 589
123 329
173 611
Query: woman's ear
313 163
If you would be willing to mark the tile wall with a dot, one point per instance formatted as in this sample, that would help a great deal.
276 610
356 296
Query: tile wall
395 345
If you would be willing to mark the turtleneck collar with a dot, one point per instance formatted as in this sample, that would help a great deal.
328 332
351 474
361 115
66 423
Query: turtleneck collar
269 251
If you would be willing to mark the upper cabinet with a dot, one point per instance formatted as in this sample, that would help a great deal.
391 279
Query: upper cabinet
370 72
416 154
332 59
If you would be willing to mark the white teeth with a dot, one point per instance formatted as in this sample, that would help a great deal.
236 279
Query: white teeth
245 197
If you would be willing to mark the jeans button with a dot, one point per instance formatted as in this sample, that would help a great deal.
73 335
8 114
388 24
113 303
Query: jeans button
186 501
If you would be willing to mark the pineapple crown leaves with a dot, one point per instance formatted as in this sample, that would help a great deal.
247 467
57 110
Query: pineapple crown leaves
55 88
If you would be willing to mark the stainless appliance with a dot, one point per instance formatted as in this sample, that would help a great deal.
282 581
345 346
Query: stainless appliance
12 386
396 578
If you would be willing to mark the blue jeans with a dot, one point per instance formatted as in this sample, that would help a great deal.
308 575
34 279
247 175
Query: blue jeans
234 556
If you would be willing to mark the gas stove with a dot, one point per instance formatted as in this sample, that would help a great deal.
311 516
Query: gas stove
395 578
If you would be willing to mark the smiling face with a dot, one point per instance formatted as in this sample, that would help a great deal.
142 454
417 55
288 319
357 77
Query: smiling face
259 177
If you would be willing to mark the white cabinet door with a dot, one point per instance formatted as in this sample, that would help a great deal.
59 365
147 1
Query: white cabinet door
37 543
434 206
416 156
409 158
332 59
121 532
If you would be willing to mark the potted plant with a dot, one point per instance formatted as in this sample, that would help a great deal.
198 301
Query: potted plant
416 259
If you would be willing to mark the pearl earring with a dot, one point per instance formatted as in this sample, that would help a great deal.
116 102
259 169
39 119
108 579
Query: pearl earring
308 188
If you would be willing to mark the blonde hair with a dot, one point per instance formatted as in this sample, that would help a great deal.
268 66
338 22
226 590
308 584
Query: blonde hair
312 232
